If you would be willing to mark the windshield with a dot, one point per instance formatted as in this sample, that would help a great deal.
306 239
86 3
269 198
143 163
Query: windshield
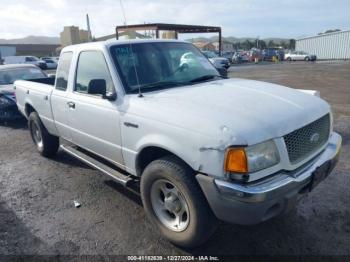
9 76
156 65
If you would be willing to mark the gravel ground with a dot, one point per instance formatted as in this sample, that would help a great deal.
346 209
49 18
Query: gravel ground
37 215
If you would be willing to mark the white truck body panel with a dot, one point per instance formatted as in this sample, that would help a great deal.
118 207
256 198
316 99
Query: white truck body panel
212 116
197 120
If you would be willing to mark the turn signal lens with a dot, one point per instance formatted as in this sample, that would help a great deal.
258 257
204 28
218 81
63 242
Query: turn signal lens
236 160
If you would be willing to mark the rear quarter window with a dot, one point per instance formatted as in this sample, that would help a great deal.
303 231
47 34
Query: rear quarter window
63 71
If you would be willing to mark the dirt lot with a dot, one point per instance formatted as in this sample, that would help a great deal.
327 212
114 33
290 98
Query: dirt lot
37 215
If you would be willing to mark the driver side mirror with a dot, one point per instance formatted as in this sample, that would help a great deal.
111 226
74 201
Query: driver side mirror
110 96
99 87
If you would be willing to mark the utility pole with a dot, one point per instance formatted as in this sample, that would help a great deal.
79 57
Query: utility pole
88 28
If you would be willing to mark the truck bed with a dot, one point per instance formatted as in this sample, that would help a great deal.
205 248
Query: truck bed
36 93
46 80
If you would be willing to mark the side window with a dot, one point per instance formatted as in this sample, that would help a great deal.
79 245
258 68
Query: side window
92 67
63 71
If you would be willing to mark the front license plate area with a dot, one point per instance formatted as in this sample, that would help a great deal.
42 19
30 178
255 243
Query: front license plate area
319 174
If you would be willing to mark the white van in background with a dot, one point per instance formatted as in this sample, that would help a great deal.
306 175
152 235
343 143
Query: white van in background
24 60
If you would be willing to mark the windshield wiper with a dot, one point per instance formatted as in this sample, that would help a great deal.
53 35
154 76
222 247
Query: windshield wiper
204 78
161 85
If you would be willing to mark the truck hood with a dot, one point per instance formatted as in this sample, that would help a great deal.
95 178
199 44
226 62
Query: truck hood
235 111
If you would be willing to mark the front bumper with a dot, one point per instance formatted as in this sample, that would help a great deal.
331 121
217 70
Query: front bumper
255 202
9 113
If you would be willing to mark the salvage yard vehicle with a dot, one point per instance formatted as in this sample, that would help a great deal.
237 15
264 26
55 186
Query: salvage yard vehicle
216 60
202 147
50 63
8 75
273 54
255 55
240 57
299 56
30 60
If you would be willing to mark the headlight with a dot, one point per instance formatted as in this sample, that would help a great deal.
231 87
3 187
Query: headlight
4 101
251 159
262 156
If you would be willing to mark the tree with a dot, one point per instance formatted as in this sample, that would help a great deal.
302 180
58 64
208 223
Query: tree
262 44
247 45
237 45
291 44
271 44
330 31
283 44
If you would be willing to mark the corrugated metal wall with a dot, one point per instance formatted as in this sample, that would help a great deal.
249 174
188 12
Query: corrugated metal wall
329 46
7 51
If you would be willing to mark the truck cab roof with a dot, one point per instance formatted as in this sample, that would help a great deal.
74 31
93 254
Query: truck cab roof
112 42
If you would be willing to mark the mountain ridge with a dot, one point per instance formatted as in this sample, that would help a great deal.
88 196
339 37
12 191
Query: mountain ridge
49 40
34 40
237 39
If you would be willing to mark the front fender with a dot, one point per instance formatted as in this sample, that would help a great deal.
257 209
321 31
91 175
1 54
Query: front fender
202 153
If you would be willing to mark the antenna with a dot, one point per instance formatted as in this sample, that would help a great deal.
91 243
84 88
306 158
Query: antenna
132 52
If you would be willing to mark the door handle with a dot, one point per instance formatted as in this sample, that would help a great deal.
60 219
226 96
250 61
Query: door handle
71 105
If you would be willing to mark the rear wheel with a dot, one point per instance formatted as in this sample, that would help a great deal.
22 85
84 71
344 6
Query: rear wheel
175 204
289 59
307 59
46 144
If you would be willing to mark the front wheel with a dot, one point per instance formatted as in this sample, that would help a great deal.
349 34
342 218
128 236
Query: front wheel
175 204
307 59
46 144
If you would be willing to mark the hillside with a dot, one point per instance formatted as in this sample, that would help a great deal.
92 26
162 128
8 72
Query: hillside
32 40
56 40
236 39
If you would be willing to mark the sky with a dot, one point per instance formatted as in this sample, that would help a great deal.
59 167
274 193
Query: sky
239 18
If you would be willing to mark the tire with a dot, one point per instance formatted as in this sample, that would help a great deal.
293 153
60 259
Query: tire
289 59
198 222
307 59
46 144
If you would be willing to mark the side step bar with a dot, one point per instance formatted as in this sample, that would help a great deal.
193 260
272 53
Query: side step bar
119 177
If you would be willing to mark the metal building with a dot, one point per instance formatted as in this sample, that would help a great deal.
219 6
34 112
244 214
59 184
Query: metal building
327 46
7 51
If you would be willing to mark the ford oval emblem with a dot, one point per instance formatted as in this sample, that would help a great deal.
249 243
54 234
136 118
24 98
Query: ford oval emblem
314 138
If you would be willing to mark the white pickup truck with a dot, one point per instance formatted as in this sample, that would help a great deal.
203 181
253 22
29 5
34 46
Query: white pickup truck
202 147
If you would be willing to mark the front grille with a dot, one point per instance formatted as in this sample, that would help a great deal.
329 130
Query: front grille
307 140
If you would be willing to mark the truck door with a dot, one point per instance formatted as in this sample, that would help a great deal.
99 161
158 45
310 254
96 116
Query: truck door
59 98
94 121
